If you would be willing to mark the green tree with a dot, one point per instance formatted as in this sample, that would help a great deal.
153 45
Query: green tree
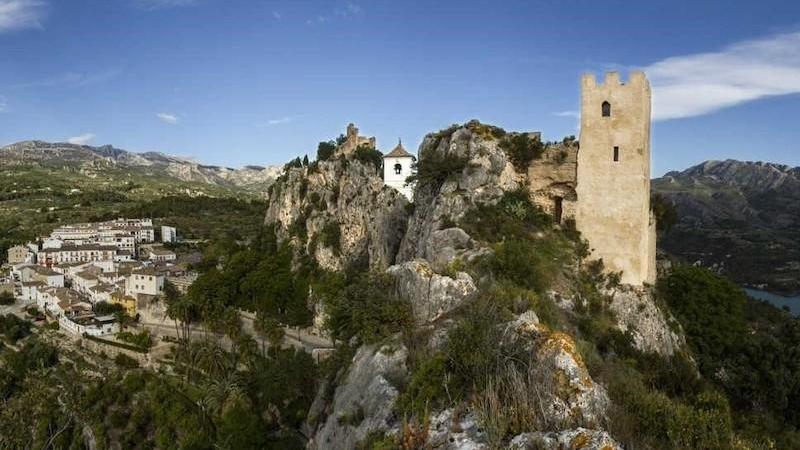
665 212
6 298
367 308
325 150
711 310
522 149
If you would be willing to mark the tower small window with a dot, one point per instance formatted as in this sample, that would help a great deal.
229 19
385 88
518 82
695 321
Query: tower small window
616 154
398 169
606 109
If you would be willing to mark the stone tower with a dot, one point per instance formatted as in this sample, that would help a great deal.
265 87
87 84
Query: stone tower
613 188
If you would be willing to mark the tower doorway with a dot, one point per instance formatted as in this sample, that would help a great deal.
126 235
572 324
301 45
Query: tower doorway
558 209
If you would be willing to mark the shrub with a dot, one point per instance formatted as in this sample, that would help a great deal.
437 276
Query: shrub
303 189
105 308
514 216
315 200
522 149
435 168
325 150
530 264
293 164
704 422
142 340
6 298
331 237
485 131
369 155
427 388
665 212
710 309
472 351
516 400
124 361
13 328
366 307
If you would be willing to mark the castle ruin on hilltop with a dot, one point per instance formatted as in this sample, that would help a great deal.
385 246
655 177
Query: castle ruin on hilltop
601 182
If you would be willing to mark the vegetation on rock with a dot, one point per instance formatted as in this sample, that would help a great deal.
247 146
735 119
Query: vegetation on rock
522 149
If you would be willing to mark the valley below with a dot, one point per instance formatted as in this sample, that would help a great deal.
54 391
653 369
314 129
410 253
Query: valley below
741 219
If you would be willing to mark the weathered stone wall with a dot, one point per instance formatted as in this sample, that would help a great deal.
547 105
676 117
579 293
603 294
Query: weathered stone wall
613 211
111 351
553 177
354 141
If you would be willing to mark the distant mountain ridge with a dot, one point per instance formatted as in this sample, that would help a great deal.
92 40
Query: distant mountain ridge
742 218
746 174
253 178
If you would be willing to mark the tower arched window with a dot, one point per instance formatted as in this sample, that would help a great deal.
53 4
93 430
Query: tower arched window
606 109
398 169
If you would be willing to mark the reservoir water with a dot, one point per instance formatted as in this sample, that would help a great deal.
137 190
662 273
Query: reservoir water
778 300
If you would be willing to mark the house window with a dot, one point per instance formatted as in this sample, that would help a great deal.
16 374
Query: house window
398 169
616 154
606 109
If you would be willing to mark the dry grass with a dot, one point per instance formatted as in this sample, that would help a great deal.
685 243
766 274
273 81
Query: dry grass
517 400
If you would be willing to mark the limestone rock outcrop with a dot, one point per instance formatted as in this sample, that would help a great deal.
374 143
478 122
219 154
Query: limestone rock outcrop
581 438
565 383
653 330
451 431
340 211
434 271
363 403
431 295
636 311
488 174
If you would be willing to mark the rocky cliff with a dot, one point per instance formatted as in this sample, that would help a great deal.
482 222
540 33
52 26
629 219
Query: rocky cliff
454 281
739 218
339 212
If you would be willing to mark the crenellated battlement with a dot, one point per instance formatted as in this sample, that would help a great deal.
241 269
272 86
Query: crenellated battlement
353 140
636 78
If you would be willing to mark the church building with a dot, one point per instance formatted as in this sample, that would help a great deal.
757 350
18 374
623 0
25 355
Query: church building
397 166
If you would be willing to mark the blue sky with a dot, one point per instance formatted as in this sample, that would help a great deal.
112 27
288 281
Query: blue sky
236 82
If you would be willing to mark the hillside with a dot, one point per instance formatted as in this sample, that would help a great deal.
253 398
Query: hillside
91 161
739 218
43 185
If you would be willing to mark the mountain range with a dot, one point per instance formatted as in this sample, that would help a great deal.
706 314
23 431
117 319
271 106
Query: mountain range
251 178
739 218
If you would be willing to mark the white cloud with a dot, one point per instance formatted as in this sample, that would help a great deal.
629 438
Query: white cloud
21 14
277 15
72 79
692 85
280 121
171 119
83 139
350 9
345 11
161 4
317 20
567 114
3 104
